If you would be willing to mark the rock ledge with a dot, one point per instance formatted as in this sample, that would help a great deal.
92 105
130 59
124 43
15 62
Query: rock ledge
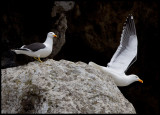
60 87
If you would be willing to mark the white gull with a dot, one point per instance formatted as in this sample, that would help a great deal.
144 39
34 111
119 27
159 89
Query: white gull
124 57
38 50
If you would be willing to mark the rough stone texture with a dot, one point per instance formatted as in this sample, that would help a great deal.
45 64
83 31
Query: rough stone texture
61 7
60 87
60 24
94 30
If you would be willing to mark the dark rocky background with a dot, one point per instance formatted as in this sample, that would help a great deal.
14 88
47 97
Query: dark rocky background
88 31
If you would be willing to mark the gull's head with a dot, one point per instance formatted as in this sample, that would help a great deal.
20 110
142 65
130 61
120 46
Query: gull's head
136 78
51 35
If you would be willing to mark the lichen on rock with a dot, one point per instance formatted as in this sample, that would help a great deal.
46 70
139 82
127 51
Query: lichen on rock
60 87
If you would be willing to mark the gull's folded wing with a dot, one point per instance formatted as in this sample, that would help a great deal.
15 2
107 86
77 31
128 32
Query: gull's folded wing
126 52
33 47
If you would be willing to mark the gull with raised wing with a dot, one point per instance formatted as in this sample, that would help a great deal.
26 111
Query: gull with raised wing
124 57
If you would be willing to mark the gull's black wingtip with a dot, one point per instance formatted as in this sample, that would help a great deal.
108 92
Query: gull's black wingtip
130 16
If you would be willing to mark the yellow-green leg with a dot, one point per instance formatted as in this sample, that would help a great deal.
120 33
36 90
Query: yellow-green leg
38 59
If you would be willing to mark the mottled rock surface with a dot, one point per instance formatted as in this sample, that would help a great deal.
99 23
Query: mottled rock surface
60 87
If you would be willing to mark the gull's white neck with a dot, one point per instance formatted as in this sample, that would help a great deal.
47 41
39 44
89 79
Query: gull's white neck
121 79
49 42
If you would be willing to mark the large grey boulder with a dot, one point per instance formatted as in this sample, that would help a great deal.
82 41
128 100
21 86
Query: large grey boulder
60 87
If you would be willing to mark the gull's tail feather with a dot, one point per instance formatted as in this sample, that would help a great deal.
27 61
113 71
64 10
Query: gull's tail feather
16 51
19 50
95 65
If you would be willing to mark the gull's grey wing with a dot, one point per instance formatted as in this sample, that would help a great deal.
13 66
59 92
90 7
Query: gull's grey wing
33 47
126 52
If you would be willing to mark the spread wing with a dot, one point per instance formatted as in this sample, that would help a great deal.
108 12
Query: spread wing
126 52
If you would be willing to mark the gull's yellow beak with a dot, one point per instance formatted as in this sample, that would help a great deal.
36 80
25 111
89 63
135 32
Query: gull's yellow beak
140 80
55 36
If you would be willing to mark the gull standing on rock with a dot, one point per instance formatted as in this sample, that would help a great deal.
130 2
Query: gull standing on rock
38 50
125 55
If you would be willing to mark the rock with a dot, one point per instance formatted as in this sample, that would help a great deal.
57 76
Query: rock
61 7
60 87
94 31
59 25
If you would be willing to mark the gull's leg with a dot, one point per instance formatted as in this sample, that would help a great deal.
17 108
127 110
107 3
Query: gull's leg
39 60
36 58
